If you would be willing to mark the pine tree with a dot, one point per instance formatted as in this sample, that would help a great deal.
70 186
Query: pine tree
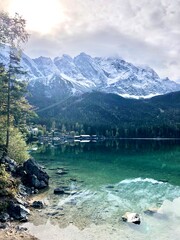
14 107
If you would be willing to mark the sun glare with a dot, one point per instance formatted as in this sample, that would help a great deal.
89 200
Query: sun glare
41 15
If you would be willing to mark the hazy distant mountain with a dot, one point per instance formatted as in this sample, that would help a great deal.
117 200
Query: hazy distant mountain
66 76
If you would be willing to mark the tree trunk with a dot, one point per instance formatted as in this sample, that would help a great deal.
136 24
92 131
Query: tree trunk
8 112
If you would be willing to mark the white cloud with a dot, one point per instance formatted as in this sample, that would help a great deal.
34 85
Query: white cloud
4 4
141 31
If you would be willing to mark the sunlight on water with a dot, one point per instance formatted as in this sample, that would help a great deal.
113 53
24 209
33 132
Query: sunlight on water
109 179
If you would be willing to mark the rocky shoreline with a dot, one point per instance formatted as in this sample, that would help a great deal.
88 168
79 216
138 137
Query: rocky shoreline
32 179
23 181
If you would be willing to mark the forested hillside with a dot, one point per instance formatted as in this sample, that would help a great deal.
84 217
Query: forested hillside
113 116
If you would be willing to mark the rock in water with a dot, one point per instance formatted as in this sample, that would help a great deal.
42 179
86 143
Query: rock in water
62 172
34 175
37 204
131 218
59 191
151 211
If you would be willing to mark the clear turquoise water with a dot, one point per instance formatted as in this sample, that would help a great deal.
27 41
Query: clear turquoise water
112 177
129 174
110 162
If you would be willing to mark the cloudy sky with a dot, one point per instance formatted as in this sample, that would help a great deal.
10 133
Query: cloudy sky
144 32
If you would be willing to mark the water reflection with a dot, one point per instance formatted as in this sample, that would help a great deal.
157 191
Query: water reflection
124 145
116 160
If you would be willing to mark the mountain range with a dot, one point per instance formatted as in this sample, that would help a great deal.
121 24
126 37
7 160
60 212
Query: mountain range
66 76
97 95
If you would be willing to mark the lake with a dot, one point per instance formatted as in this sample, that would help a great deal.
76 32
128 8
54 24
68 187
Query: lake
106 179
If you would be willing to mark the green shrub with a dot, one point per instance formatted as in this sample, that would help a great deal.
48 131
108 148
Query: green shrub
18 149
8 185
4 181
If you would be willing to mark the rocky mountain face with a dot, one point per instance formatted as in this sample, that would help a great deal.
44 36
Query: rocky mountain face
66 76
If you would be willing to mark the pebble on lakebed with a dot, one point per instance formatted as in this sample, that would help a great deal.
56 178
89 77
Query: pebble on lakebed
62 172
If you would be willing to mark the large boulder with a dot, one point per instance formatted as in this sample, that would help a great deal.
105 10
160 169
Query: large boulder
131 218
34 175
18 211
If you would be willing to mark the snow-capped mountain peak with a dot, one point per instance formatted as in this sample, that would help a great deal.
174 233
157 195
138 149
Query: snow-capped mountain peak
84 73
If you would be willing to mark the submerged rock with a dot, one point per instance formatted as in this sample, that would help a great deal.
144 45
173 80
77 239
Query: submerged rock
59 191
34 175
131 218
163 180
62 190
37 204
109 186
73 179
151 211
62 172
62 168
155 213
70 192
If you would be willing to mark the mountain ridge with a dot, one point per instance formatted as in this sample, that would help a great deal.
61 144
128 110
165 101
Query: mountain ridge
73 76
